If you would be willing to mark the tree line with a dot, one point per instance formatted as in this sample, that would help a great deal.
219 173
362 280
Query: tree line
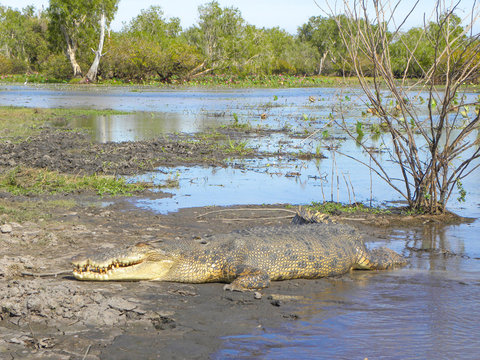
71 39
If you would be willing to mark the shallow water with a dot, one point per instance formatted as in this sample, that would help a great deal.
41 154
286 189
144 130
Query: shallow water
427 310
411 314
187 110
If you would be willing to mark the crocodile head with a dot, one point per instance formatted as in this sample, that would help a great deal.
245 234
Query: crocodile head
138 262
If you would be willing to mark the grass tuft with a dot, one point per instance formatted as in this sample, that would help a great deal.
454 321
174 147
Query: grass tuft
28 181
336 208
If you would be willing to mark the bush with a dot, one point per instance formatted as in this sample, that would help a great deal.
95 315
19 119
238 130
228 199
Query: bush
132 58
12 66
57 66
5 65
281 66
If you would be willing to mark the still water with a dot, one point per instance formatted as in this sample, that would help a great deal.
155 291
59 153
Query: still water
429 310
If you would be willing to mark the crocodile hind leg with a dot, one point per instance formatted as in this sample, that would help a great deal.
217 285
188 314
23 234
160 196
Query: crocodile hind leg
248 279
379 259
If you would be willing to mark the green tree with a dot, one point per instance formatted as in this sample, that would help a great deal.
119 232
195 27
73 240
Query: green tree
74 24
218 36
323 33
230 45
413 41
285 54
152 24
150 46
419 47
23 40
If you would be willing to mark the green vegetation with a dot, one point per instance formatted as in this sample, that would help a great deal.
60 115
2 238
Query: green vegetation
237 147
25 181
221 49
335 208
173 181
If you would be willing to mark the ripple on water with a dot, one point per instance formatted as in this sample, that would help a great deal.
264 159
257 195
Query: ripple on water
403 315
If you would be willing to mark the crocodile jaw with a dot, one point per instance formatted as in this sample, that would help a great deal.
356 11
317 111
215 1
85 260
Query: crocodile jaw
147 270
139 262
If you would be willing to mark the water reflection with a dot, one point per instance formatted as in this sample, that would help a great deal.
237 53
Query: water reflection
143 125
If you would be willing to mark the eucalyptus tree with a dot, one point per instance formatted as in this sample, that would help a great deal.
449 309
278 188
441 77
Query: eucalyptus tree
74 24
287 55
401 47
151 23
323 33
218 36
422 41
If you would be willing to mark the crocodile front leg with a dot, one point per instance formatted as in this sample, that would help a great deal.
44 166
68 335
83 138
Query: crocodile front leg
248 279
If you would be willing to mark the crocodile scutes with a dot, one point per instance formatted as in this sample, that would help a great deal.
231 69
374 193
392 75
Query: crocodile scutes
246 260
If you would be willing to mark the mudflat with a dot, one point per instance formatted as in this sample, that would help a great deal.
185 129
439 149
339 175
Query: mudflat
46 313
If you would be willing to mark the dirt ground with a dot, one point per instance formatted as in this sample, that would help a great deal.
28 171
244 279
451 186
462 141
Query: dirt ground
46 314
51 315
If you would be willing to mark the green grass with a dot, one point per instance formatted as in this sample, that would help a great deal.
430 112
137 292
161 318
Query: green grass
334 208
26 181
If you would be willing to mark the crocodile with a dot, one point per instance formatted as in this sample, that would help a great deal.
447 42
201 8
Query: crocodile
245 260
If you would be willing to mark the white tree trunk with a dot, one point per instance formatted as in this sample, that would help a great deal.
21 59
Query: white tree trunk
322 61
93 71
70 52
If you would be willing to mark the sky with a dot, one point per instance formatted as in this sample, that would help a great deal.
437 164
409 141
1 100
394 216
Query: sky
287 14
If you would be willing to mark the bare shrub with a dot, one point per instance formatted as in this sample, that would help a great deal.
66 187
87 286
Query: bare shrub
429 120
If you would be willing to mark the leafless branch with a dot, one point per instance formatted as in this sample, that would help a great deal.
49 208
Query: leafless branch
423 147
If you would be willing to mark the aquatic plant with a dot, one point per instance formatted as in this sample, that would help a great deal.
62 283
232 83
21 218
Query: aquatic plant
237 147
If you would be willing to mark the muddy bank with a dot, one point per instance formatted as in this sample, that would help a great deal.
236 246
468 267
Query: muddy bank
75 152
50 315
45 313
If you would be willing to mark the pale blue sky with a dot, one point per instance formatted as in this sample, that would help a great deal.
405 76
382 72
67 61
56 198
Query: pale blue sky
287 14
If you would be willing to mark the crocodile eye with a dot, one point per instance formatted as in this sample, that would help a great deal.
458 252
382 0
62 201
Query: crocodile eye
141 244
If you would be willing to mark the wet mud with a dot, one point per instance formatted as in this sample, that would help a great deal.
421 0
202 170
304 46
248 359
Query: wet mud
46 313
76 152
